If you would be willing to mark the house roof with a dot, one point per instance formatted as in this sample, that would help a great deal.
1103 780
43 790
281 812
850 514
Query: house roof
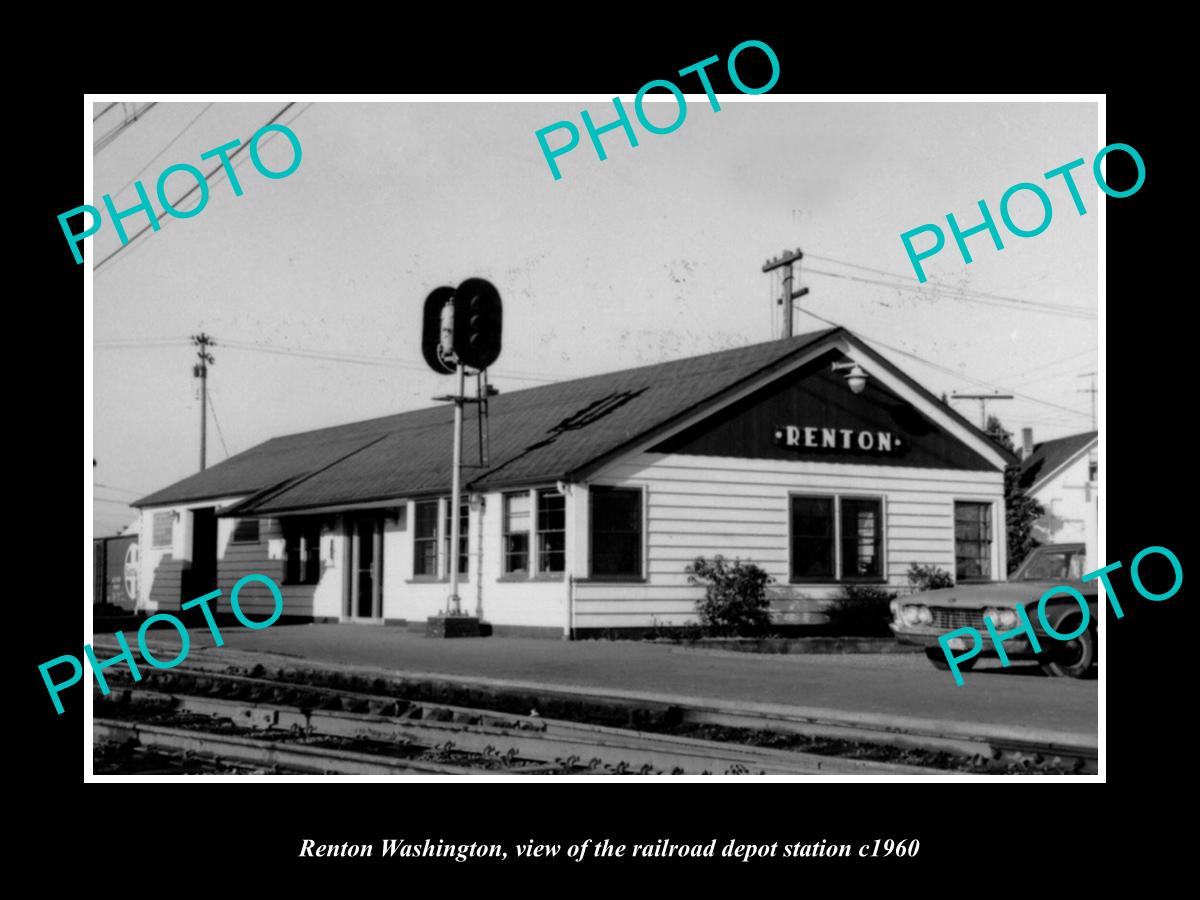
1050 457
551 432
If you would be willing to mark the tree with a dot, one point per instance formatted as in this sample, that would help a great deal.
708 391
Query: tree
1021 510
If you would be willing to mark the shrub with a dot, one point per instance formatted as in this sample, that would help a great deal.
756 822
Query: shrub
735 597
860 610
929 578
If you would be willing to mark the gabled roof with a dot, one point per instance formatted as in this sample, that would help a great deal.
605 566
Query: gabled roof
1050 457
547 433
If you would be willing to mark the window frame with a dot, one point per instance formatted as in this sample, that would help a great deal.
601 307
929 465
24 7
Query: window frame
258 532
169 517
993 558
464 537
418 540
537 560
643 530
505 571
310 552
839 576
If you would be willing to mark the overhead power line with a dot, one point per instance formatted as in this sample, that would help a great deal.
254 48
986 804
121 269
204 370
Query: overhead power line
217 422
109 136
175 203
947 288
948 370
103 111
159 154
385 361
930 292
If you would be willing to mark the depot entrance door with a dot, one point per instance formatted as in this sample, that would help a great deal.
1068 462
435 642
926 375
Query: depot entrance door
364 588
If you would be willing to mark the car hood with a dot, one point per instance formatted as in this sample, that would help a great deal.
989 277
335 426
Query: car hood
977 596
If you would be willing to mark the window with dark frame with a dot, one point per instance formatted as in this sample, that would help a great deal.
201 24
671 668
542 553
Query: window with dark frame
862 538
812 538
246 531
464 520
973 540
552 531
516 533
616 532
163 526
425 536
302 552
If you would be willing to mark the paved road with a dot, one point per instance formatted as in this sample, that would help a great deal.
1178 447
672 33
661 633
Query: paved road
894 684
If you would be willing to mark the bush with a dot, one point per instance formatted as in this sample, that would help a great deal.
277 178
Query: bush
735 597
929 578
860 610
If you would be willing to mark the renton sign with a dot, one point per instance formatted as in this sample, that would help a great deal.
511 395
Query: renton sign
817 437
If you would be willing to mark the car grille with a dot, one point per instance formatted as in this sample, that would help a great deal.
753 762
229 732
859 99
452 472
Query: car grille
944 617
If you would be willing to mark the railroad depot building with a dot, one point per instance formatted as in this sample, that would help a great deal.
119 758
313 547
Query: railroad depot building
595 496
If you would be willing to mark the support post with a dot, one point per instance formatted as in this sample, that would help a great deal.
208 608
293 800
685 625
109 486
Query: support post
453 602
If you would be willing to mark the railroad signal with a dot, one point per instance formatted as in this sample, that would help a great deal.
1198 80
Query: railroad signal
478 317
432 346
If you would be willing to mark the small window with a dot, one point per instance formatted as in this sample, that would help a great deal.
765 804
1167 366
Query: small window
464 520
425 539
862 538
516 533
302 552
973 540
812 538
246 531
1093 466
163 529
616 532
552 531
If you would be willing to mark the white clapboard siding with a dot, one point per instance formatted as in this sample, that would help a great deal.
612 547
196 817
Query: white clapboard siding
702 506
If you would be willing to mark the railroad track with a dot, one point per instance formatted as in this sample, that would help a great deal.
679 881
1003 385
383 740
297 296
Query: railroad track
473 715
232 717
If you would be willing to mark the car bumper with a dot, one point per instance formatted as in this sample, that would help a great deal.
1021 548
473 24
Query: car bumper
928 637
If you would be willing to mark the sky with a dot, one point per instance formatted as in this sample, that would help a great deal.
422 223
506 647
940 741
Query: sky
655 253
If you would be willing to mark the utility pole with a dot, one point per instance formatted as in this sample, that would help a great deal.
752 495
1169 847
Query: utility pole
1093 391
785 262
983 401
200 370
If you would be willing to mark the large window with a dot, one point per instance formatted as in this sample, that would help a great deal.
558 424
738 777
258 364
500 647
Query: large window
862 538
812 538
425 538
246 531
302 552
616 532
973 540
464 520
822 551
163 522
552 531
516 533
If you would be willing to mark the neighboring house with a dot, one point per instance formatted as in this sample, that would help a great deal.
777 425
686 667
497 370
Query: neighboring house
598 492
1062 475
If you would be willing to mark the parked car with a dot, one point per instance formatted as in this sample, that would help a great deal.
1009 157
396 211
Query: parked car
921 618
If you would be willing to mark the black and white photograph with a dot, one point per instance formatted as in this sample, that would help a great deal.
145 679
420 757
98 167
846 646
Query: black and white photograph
704 433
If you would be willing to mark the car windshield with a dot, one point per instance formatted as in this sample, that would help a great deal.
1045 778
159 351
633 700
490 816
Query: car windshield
1053 565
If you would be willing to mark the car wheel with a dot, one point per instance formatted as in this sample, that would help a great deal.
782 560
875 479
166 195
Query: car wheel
1071 659
938 658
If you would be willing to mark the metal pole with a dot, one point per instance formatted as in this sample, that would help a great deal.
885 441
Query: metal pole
203 410
787 300
453 605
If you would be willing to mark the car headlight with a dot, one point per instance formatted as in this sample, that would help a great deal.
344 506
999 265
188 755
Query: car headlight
924 615
911 615
1005 617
